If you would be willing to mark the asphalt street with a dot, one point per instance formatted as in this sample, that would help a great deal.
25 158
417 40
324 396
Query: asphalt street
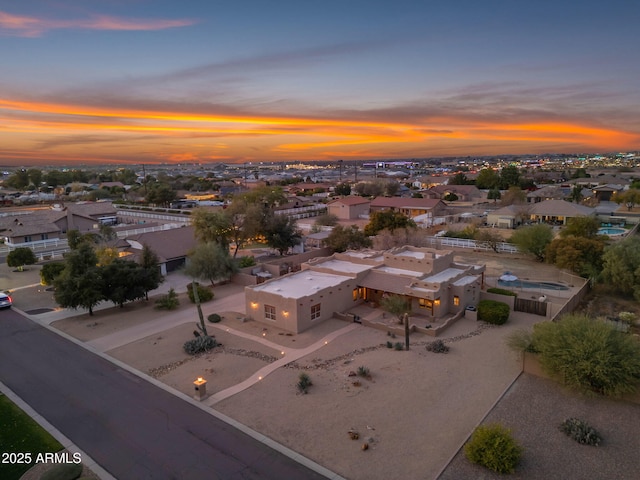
132 428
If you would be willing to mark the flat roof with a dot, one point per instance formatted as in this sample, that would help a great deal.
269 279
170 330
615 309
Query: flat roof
409 253
466 280
443 276
300 284
343 266
398 271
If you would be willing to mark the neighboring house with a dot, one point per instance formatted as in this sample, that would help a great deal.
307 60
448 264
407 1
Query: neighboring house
349 208
34 226
508 217
603 193
558 211
317 239
549 192
411 207
171 246
465 193
436 286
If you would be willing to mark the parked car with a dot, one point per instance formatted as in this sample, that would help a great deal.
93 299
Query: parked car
5 300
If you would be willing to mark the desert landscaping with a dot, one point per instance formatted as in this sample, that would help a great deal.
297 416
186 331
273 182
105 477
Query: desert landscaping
407 418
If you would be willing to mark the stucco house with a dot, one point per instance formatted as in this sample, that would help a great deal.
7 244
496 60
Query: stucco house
33 226
465 193
558 211
171 246
349 208
411 207
435 285
508 217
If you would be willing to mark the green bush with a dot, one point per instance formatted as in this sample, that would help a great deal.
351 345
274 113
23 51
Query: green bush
502 291
199 344
580 431
588 354
492 446
398 346
65 471
363 371
437 346
304 382
494 312
169 301
214 318
247 261
389 344
204 294
50 271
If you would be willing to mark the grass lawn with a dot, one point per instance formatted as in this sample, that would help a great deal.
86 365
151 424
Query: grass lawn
19 433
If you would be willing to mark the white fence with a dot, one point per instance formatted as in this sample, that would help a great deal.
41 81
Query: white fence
440 242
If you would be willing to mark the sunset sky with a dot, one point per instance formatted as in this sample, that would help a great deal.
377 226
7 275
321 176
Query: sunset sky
133 81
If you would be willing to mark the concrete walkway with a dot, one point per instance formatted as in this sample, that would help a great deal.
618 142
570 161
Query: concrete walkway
291 355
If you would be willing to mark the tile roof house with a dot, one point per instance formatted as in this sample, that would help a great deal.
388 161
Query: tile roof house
33 226
349 208
558 211
465 193
171 246
435 285
411 207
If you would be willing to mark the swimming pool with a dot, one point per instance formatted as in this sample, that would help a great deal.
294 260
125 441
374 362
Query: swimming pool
612 232
533 285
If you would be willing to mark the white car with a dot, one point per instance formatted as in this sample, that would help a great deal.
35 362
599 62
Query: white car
5 300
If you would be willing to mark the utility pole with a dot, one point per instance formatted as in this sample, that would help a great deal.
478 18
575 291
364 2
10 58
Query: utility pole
355 165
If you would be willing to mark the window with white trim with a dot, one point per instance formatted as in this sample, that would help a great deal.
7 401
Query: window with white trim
315 311
269 312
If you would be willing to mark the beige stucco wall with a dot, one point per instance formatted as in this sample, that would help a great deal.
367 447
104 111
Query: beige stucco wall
348 212
294 315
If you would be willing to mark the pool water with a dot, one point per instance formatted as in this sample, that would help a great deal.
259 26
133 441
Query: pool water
535 285
611 231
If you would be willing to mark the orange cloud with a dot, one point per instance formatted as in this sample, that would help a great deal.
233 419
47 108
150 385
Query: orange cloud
24 26
61 129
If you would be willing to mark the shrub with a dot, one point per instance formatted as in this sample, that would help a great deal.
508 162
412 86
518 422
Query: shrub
50 271
199 344
502 291
64 471
493 312
588 354
169 301
204 294
492 446
398 346
214 318
521 341
304 382
363 371
437 346
580 431
389 344
247 261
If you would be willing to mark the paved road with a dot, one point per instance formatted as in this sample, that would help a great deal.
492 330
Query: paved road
130 427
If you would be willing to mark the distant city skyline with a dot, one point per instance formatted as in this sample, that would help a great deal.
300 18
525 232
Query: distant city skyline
109 82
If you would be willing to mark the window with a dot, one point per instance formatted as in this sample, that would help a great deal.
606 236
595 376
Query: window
456 300
315 311
44 236
425 303
27 239
269 312
355 294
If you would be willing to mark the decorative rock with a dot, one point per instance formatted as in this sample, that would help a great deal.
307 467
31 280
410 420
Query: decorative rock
365 446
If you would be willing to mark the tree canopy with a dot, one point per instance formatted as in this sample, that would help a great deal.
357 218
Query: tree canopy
344 238
387 220
621 266
210 261
588 354
20 257
533 240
